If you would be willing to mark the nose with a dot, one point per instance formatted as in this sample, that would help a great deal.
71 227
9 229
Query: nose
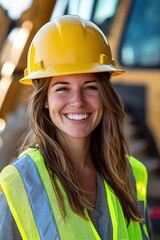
77 99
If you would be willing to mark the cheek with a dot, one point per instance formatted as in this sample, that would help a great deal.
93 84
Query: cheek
99 107
55 104
97 103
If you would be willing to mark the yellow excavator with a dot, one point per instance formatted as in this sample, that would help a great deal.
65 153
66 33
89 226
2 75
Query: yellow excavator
132 28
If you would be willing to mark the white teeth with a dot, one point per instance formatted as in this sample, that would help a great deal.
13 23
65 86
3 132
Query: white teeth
77 116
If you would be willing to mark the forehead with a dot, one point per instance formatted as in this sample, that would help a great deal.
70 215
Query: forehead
75 78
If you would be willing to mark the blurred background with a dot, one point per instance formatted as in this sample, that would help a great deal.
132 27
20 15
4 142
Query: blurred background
133 31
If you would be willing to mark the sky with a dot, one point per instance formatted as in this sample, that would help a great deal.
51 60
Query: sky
15 7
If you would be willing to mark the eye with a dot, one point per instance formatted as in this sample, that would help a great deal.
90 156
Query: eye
62 89
91 87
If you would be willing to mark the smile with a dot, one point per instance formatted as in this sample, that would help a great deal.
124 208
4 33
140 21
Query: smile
77 117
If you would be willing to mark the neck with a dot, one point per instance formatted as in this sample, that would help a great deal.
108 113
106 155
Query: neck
78 150
79 153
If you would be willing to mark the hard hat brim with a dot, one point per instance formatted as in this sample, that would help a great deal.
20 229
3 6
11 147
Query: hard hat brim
68 69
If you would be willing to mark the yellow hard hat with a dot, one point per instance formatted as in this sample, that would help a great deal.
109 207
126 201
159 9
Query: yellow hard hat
68 45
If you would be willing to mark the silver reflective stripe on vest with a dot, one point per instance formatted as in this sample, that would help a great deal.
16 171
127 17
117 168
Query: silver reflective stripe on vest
38 198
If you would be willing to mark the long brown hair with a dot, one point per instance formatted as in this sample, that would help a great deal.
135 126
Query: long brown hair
108 147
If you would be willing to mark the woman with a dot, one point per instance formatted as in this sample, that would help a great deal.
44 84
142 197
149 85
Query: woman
74 178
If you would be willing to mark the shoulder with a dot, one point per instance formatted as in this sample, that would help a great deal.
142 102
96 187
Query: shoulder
24 164
29 156
138 168
32 152
136 164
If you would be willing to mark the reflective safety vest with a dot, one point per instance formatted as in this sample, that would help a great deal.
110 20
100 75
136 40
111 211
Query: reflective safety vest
32 200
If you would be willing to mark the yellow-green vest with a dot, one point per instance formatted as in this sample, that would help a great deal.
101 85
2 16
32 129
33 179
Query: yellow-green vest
32 200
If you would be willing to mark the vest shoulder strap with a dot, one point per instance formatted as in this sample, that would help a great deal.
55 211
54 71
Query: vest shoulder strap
141 177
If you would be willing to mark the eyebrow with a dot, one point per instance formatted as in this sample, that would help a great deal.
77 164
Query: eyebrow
60 83
67 83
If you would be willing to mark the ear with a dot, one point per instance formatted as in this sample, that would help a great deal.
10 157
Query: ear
46 104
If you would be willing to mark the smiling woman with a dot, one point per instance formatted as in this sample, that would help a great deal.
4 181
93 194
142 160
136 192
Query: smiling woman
74 168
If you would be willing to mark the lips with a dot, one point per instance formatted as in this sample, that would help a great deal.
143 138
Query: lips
77 117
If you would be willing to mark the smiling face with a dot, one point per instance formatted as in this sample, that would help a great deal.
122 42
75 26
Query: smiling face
74 104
